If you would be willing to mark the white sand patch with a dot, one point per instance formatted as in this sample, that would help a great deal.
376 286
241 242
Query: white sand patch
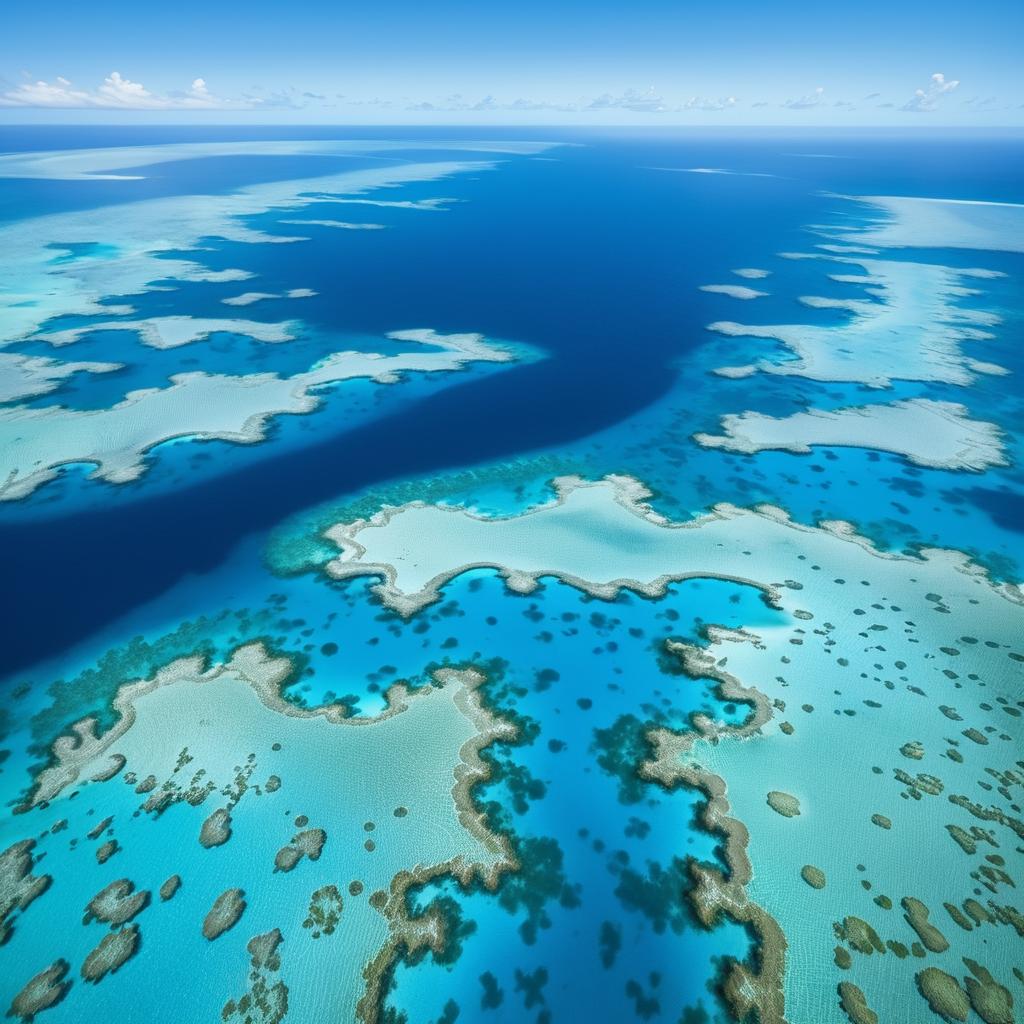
752 273
735 291
437 205
992 369
24 376
249 298
842 250
344 225
34 443
855 279
981 273
175 331
195 272
944 224
936 434
714 170
863 307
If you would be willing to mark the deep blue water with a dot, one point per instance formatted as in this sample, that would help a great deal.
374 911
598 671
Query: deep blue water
591 258
594 259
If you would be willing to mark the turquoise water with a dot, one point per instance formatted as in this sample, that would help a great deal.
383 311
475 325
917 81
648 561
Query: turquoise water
587 266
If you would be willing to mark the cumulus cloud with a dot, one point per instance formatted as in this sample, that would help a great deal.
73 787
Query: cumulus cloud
926 100
116 93
44 94
813 99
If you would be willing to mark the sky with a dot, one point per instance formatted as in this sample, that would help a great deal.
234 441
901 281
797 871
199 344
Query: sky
604 62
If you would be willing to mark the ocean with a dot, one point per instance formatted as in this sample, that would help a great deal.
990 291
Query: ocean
583 257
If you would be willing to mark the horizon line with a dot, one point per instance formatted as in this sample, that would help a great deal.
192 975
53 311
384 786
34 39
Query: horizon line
503 125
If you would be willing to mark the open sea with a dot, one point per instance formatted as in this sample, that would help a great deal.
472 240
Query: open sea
583 256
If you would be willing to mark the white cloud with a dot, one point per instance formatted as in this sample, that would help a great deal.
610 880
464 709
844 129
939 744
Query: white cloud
456 101
647 102
926 100
643 102
650 102
703 103
286 99
124 92
806 102
525 104
118 93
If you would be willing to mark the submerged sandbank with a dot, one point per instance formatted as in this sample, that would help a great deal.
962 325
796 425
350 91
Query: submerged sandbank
23 377
943 224
35 443
911 327
940 435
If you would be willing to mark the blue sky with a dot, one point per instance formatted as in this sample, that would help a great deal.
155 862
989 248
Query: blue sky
523 62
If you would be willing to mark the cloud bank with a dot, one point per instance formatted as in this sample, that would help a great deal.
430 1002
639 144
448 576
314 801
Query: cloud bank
116 93
120 93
